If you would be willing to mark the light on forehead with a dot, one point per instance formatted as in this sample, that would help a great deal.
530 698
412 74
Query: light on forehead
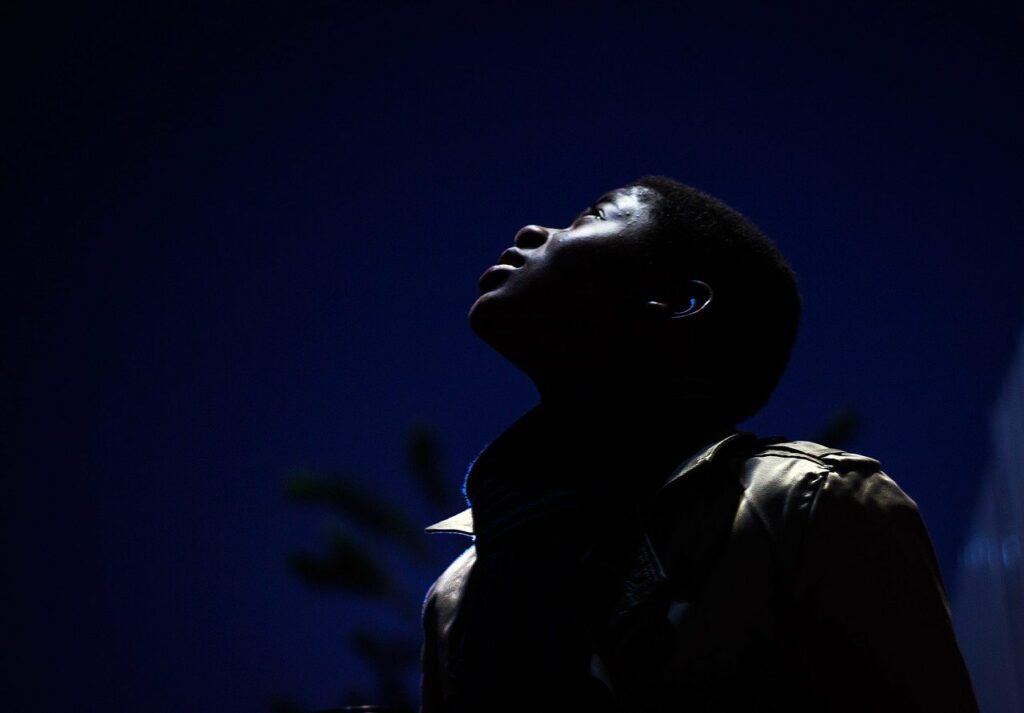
627 199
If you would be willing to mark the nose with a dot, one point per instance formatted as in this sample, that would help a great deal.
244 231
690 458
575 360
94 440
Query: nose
531 236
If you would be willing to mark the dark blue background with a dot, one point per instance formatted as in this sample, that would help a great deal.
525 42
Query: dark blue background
246 239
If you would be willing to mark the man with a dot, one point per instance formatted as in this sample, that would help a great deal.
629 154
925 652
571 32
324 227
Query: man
632 550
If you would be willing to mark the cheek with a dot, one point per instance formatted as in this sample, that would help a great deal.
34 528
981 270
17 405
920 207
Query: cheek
574 261
595 273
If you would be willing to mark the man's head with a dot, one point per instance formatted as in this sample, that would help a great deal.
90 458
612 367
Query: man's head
655 281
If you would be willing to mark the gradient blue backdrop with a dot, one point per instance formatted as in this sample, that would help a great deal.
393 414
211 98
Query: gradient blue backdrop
245 239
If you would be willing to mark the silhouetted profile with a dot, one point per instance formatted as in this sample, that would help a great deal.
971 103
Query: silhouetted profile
632 550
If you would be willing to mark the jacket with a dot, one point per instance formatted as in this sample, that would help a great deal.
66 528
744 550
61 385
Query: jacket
763 575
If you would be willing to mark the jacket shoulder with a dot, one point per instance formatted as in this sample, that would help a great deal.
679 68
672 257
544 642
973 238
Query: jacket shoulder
444 594
782 480
819 472
815 453
439 608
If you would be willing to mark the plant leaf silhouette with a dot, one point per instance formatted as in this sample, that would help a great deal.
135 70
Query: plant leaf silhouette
391 658
346 566
424 458
396 652
355 504
841 429
350 566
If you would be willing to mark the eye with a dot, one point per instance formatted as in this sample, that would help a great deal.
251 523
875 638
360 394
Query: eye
592 212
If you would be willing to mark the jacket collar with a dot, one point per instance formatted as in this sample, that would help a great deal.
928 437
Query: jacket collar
462 523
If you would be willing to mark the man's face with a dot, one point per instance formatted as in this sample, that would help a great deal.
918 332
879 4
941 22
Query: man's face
562 290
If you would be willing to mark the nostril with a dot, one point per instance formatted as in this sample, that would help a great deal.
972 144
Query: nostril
531 236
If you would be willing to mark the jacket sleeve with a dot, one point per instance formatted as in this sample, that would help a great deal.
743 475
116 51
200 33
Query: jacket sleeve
877 624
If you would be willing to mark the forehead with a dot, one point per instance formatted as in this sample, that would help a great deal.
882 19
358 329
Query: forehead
628 198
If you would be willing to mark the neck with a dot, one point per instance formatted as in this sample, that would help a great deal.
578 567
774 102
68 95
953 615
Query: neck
686 399
662 419
607 447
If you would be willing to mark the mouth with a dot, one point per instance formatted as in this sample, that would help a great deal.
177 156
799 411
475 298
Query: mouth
509 261
494 276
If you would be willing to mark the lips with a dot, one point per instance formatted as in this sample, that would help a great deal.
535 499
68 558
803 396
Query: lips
508 262
512 257
494 276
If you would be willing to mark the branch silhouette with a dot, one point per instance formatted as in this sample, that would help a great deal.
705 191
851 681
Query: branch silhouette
363 523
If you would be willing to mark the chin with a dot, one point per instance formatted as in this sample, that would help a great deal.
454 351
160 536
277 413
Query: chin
494 318
485 314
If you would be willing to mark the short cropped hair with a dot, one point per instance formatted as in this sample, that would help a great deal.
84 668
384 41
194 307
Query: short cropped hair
755 311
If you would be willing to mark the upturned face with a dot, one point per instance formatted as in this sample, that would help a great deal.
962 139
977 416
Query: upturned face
572 293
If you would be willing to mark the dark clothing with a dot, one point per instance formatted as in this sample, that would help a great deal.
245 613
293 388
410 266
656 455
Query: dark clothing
541 492
758 575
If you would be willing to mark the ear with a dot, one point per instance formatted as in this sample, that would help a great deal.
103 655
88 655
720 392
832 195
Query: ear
695 298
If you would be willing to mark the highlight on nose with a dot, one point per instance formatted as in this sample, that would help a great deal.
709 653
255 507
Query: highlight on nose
530 236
